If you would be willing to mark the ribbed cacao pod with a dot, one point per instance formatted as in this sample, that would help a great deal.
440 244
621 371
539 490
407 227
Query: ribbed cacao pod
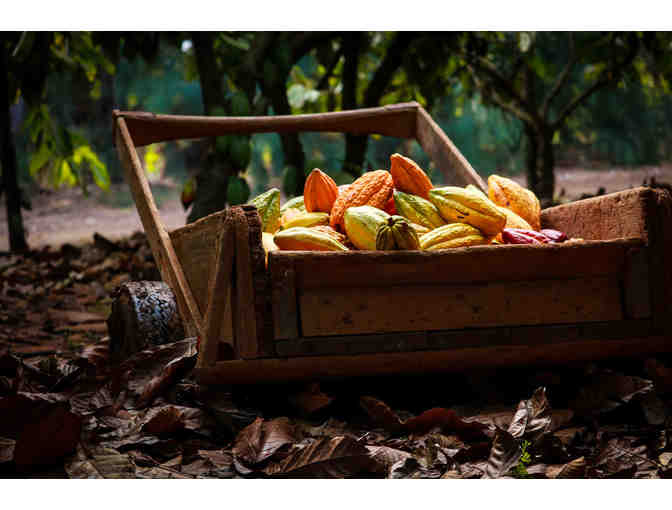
294 203
361 225
463 206
390 206
268 207
417 210
453 235
302 238
319 192
420 229
396 234
372 188
408 176
307 220
512 195
326 229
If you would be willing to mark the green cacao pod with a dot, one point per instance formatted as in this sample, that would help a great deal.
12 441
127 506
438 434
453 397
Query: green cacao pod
459 205
240 151
417 210
294 203
396 234
268 206
361 225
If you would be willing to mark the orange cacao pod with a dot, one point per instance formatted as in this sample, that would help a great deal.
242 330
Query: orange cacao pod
372 188
320 192
390 207
408 176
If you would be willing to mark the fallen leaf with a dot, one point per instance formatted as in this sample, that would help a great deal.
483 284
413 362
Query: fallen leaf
606 391
310 400
261 440
385 457
99 462
573 469
164 421
336 457
533 418
617 458
411 467
215 463
504 454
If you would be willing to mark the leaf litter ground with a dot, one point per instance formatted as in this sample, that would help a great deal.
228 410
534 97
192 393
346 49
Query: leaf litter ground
69 412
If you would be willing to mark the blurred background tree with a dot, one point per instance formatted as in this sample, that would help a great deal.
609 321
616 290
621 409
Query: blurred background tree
511 101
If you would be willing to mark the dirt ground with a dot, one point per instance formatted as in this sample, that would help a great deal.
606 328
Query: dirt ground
67 216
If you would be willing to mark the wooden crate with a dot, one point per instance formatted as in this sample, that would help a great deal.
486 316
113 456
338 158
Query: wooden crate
324 314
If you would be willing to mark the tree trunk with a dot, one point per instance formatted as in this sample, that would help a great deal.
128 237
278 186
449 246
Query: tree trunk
355 145
540 163
10 185
212 179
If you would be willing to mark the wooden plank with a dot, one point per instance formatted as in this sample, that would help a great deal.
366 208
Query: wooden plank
458 338
622 214
422 362
636 288
162 248
459 265
660 251
244 320
445 155
219 292
285 312
360 310
396 120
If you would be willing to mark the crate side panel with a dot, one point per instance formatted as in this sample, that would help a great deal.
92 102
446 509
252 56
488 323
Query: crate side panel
334 311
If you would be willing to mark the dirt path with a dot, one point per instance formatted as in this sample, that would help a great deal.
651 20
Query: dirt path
67 216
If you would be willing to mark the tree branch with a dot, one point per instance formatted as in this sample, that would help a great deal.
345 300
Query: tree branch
391 62
608 76
562 79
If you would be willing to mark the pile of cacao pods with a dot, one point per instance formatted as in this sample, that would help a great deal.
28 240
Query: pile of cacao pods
400 209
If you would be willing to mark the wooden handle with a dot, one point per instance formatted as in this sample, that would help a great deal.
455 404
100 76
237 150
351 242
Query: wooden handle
396 120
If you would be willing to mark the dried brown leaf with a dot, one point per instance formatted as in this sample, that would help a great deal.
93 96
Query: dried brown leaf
533 418
504 454
99 462
310 400
573 469
608 390
165 421
336 457
380 414
385 457
262 439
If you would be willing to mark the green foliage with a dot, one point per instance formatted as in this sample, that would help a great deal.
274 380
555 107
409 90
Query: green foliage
62 156
238 191
520 470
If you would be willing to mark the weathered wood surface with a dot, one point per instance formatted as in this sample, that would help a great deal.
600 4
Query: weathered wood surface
359 310
162 248
283 295
244 317
622 214
422 362
459 338
660 259
396 120
460 265
219 291
445 155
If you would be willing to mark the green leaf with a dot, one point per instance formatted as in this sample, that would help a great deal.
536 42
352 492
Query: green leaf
39 159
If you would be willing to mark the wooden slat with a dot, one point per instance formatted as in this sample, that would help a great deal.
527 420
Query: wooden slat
283 294
636 285
166 259
219 292
449 160
459 338
422 362
245 323
459 265
396 120
359 310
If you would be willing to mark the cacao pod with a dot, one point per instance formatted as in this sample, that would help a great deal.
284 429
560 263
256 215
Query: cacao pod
453 235
408 176
396 234
361 225
523 236
372 188
294 203
319 192
512 221
417 210
475 189
463 206
268 244
554 235
510 194
307 220
268 207
326 229
390 206
302 238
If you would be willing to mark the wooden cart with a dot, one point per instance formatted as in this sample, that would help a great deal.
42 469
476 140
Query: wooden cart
323 314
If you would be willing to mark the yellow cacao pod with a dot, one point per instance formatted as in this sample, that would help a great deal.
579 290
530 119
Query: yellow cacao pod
512 221
268 207
307 220
475 189
463 206
396 234
326 229
513 196
268 244
302 238
417 210
361 225
453 235
420 229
